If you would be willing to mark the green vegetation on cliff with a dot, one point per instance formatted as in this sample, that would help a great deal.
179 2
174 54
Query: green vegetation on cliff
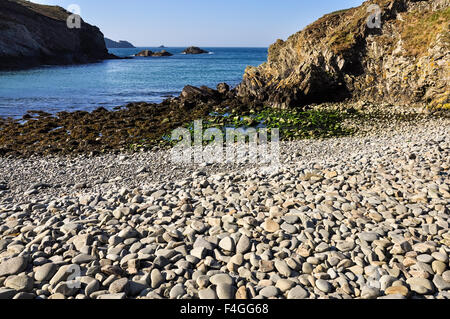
419 29
54 12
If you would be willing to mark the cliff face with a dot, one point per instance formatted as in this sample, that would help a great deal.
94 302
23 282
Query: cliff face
406 61
32 34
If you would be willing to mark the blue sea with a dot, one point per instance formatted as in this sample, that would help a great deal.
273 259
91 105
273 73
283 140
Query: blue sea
113 83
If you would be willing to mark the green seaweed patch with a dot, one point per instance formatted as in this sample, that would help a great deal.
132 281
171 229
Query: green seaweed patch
292 124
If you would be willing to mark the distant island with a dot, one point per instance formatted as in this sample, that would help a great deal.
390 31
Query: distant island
118 44
194 50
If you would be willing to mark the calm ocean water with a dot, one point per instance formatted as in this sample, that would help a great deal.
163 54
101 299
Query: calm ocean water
117 82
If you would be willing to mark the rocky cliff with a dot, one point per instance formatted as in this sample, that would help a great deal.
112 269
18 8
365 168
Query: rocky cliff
406 60
32 34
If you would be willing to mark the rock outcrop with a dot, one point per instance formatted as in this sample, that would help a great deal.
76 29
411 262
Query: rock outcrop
148 53
404 61
118 44
194 50
32 34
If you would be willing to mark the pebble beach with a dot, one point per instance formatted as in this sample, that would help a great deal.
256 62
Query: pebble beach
365 216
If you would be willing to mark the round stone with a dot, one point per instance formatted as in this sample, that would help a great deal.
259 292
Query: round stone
275 211
44 272
119 285
420 285
369 292
243 245
13 266
288 228
282 267
156 278
237 259
438 267
284 284
307 268
266 265
177 291
397 290
425 258
19 283
297 292
225 291
198 226
323 285
62 274
345 245
227 244
368 236
208 294
268 292
221 279
443 257
271 226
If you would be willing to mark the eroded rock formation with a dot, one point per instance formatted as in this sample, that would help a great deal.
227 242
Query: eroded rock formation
405 61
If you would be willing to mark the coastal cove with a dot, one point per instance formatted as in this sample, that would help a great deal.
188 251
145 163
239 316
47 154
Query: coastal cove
315 169
114 83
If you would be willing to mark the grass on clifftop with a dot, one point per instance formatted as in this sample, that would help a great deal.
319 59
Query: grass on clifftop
420 29
342 29
54 12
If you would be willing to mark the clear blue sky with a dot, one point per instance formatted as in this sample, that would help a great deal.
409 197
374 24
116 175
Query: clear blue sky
253 23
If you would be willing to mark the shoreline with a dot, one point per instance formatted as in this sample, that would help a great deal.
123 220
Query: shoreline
143 126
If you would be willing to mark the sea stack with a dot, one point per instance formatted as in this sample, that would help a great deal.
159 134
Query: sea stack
194 50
